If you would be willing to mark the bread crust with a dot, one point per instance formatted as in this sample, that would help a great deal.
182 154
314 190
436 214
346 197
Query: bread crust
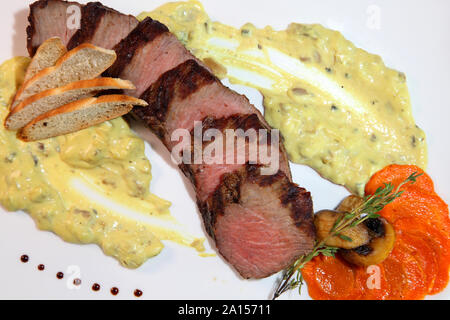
97 84
59 63
127 102
55 44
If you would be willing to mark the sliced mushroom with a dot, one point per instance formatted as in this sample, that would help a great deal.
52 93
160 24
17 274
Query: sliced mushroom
350 203
349 239
378 249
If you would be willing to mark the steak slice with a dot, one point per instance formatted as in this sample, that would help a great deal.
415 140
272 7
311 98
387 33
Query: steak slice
261 224
102 26
186 94
146 53
240 139
49 18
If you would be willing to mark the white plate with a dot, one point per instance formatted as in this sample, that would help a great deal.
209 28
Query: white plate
412 36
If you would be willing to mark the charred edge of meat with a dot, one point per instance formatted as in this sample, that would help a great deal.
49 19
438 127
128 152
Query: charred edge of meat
245 122
146 31
238 121
91 15
179 82
228 191
189 173
235 122
31 28
296 199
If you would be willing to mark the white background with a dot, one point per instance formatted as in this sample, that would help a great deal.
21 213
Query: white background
413 36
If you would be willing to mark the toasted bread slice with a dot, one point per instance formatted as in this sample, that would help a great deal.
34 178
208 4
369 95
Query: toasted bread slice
78 115
82 63
48 53
43 102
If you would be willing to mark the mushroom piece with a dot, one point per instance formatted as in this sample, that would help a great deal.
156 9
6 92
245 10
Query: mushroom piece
350 238
350 203
379 247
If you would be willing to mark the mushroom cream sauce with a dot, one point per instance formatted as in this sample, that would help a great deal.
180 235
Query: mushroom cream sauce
91 186
340 110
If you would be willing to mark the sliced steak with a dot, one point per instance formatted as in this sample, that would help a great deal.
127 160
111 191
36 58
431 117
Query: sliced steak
146 53
50 18
225 145
102 26
261 224
186 94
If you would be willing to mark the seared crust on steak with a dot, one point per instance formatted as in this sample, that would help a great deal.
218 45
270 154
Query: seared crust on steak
102 26
291 196
256 197
47 19
146 53
247 135
146 31
181 81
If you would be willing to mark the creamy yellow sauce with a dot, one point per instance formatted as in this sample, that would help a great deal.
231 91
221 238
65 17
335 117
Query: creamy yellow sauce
340 110
91 186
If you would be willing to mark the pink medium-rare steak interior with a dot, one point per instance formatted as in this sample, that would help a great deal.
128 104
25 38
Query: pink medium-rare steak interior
261 224
102 26
49 18
149 51
245 149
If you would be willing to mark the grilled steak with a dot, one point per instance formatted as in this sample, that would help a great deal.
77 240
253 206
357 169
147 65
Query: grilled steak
260 222
146 53
99 25
102 26
49 18
190 93
240 145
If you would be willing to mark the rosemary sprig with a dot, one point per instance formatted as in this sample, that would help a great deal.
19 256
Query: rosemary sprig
372 204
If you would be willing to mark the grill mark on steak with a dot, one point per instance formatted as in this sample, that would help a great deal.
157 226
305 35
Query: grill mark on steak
237 193
146 31
181 81
297 199
102 26
146 53
47 19
205 176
